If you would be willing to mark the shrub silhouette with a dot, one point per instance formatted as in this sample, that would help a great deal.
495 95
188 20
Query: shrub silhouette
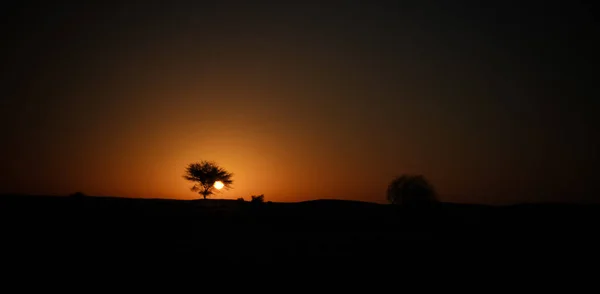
204 174
411 190
258 198
241 199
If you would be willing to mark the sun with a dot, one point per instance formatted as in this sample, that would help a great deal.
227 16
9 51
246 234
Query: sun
219 185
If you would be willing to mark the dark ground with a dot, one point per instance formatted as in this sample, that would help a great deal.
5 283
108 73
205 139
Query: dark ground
314 232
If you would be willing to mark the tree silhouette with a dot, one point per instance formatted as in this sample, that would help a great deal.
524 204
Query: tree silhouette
411 190
204 174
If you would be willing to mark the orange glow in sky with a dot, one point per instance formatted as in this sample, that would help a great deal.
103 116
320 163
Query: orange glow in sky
298 100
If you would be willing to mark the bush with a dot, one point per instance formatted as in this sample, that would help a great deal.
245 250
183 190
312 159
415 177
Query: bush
258 198
411 190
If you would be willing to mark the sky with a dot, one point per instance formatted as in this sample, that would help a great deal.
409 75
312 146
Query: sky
492 102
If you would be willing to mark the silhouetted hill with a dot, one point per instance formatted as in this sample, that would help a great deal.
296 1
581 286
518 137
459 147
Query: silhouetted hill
312 230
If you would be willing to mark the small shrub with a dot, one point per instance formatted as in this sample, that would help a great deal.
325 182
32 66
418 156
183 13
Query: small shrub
258 198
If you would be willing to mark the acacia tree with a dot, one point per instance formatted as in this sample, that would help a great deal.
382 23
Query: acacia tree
204 174
411 190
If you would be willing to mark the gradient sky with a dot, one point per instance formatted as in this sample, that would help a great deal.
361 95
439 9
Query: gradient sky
493 101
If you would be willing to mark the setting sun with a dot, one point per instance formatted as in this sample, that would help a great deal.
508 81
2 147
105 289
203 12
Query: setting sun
219 185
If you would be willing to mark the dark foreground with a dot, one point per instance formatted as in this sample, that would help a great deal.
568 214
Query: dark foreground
313 232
